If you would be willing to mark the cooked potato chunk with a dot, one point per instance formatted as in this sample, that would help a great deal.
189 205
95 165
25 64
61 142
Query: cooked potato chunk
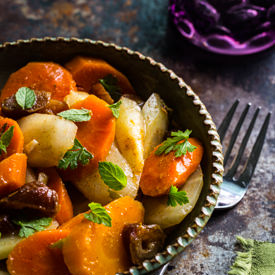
156 122
157 211
7 244
96 190
53 136
74 97
130 133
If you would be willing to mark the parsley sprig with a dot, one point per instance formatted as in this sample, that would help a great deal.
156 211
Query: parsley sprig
112 175
177 197
98 214
76 115
110 84
172 144
5 138
115 108
30 227
25 97
77 154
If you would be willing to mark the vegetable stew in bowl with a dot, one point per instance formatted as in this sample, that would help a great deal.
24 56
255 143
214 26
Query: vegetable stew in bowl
78 121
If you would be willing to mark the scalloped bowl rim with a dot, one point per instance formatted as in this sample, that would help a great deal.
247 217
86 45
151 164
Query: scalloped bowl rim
217 166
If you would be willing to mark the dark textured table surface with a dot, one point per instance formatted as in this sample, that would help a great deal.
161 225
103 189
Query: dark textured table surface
143 25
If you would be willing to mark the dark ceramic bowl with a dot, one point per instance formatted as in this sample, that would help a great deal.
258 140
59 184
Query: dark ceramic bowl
147 76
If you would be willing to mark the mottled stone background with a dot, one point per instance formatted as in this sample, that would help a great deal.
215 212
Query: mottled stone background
143 25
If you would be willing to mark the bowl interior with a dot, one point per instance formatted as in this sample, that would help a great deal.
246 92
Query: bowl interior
146 77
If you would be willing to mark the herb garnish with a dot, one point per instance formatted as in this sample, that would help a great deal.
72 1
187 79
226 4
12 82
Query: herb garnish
25 97
171 144
177 197
5 138
77 154
110 84
112 175
98 214
76 115
30 227
115 108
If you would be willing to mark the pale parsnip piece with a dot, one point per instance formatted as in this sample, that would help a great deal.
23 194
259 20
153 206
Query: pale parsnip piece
54 135
96 190
156 122
158 212
130 133
7 243
74 97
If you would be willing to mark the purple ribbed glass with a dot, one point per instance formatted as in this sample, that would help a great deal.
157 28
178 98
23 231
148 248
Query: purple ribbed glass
231 27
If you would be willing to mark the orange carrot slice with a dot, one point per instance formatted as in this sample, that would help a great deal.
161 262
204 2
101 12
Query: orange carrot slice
41 76
65 212
12 173
96 249
87 71
97 134
160 172
34 255
17 140
70 224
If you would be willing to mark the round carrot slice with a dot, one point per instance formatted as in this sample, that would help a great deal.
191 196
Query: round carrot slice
41 76
34 255
96 135
65 212
17 140
87 71
160 172
94 249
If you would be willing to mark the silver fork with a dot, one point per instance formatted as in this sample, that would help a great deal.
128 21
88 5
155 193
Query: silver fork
232 189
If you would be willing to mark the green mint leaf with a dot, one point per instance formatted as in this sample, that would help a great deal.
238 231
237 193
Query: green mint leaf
25 97
112 175
76 115
98 214
183 135
177 197
115 108
32 226
5 138
110 84
77 154
172 144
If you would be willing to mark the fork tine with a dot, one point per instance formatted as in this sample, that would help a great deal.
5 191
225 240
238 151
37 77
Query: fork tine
235 133
225 124
255 154
231 172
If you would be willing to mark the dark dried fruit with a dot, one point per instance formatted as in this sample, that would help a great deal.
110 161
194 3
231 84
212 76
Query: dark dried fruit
32 199
54 106
143 241
6 226
204 15
243 17
12 109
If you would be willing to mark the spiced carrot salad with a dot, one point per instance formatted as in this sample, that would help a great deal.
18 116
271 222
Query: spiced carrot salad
83 125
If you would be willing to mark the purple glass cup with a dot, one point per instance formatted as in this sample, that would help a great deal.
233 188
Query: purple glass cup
231 27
